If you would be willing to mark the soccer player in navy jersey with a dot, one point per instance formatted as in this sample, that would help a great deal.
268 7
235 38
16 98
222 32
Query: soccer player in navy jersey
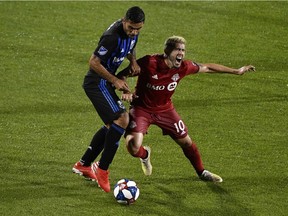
116 43
151 103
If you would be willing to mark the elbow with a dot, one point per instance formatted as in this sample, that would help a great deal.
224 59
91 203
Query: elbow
94 62
92 59
204 69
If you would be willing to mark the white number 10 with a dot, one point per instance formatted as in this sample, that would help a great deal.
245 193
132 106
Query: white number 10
179 126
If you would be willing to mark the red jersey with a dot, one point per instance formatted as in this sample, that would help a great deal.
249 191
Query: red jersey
157 82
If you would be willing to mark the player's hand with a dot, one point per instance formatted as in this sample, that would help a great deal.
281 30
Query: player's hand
121 85
129 97
244 69
134 68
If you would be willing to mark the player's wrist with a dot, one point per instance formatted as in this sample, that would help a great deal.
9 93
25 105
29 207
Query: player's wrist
113 80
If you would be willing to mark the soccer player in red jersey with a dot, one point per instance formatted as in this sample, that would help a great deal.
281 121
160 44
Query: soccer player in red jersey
151 102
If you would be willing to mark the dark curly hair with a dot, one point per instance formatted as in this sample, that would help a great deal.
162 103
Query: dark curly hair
135 14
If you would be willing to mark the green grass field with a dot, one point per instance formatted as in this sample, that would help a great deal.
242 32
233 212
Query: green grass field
238 122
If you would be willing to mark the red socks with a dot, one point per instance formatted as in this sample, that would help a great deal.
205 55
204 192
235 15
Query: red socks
191 153
142 153
194 157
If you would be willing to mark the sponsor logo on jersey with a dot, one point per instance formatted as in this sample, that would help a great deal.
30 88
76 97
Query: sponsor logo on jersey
118 60
157 88
170 87
102 51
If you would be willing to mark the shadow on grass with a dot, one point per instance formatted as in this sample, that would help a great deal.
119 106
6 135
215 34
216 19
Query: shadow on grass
186 196
228 204
159 195
48 181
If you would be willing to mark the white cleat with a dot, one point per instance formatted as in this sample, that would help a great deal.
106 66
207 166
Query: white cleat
208 176
146 164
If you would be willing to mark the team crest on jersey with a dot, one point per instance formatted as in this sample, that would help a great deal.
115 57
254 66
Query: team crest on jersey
102 51
175 77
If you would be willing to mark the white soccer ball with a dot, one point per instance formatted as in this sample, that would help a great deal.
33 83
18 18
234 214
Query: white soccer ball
126 191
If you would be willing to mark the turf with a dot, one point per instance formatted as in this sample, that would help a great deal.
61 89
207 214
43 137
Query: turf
238 122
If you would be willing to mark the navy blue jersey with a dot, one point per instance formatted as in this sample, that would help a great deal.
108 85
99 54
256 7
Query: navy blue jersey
114 45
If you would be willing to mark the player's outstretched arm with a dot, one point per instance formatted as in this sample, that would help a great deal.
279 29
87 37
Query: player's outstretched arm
217 68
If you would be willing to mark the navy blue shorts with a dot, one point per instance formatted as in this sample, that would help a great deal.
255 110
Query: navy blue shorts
104 98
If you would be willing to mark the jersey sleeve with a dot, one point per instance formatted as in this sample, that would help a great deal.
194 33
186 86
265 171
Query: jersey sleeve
146 63
106 46
192 67
142 61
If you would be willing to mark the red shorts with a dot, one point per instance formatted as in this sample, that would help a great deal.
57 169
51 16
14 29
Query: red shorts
169 121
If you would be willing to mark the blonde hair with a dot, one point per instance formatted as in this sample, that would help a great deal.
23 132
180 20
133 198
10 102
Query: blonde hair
171 42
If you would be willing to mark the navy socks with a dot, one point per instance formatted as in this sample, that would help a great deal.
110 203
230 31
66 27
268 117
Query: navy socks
111 145
95 148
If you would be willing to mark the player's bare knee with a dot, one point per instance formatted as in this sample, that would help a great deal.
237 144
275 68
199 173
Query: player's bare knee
131 147
184 142
128 140
123 120
186 145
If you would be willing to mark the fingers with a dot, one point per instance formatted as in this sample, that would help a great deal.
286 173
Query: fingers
244 69
126 87
252 68
121 85
134 70
249 68
127 97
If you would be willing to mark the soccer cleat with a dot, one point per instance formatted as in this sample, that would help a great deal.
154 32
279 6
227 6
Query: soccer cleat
94 166
85 171
146 164
102 177
208 176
